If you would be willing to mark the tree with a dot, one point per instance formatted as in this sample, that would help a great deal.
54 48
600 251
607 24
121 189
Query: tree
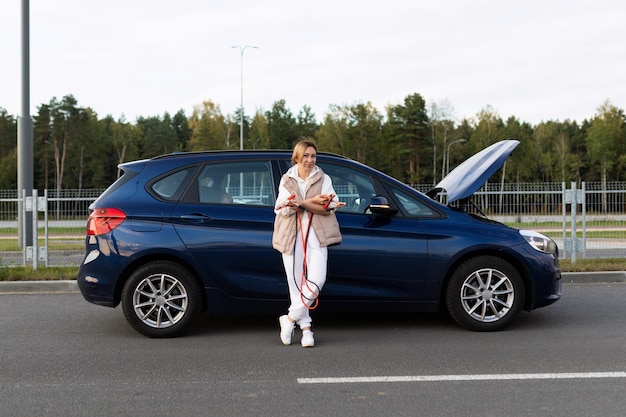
8 133
488 130
259 132
408 129
605 141
62 117
87 132
182 132
305 122
364 131
441 123
561 150
521 160
577 149
543 140
42 143
353 131
8 170
281 126
208 129
157 136
333 132
124 138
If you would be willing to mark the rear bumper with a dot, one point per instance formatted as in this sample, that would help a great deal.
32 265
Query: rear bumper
95 292
92 283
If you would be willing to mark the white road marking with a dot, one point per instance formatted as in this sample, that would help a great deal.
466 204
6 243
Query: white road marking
475 377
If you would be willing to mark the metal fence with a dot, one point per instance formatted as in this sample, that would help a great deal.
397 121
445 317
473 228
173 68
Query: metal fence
587 220
60 227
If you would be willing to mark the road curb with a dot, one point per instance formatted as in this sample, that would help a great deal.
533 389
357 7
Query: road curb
71 286
608 277
30 287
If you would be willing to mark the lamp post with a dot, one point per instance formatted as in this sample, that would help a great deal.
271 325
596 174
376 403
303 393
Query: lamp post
448 153
241 51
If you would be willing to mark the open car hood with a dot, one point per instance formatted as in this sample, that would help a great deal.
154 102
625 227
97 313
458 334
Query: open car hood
467 178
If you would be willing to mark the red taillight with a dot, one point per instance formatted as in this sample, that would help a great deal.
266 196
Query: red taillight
102 221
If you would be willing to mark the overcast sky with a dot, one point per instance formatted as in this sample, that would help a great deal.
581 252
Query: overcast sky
535 59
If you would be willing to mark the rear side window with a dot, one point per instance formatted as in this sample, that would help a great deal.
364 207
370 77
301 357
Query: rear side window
171 186
237 182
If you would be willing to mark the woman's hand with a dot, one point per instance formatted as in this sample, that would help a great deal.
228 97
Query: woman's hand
317 204
322 199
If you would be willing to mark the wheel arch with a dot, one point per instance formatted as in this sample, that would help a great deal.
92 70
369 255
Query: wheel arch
152 257
498 253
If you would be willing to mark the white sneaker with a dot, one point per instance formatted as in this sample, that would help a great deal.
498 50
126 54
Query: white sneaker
286 329
307 339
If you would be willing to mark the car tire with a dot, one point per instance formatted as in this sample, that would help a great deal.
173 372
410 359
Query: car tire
161 299
485 293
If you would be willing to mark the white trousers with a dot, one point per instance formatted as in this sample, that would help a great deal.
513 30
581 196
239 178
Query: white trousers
304 290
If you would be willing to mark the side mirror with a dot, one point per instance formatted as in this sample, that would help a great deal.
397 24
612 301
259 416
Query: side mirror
379 206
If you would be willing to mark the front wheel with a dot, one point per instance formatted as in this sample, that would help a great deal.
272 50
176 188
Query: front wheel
485 293
161 299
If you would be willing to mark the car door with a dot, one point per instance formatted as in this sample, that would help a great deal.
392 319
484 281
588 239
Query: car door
226 222
380 258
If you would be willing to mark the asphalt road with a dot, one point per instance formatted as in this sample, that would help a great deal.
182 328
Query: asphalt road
61 356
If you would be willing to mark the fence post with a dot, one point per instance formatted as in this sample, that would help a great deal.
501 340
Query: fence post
43 206
573 234
566 201
29 205
35 248
33 204
583 202
574 197
23 210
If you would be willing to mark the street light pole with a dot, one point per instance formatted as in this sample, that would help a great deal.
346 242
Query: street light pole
241 50
25 142
448 153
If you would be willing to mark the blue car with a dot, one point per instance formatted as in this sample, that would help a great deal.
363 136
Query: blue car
184 233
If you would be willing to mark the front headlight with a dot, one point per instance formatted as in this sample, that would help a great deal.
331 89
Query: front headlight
540 242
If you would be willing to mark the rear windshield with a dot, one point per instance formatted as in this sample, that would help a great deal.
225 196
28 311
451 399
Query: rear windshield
126 176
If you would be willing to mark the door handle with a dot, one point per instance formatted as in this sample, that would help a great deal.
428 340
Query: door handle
196 218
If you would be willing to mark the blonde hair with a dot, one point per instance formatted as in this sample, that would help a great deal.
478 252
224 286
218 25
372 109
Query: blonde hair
300 148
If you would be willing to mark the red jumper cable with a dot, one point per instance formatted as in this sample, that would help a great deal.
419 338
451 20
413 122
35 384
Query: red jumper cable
304 279
305 237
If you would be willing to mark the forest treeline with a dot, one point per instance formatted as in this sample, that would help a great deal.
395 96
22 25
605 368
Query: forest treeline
74 148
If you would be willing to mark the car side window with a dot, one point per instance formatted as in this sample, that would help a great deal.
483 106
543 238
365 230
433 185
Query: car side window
353 187
246 183
171 186
412 205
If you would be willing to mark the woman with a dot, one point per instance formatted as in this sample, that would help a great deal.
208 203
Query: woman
304 228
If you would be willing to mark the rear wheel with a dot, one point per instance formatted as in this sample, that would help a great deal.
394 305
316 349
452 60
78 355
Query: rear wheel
485 293
161 299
